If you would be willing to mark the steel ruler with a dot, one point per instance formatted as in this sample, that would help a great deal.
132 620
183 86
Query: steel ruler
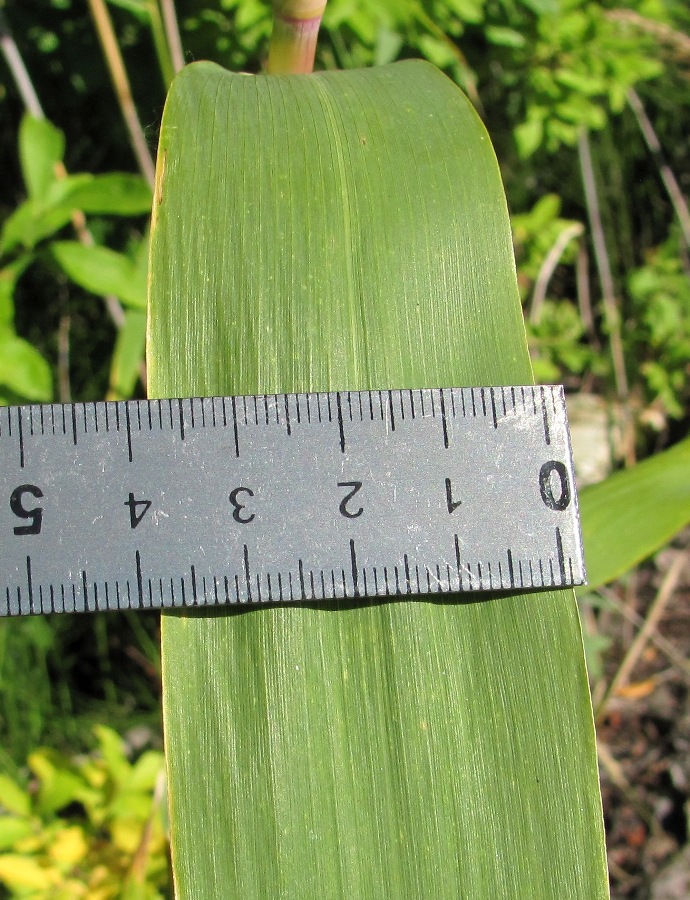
288 497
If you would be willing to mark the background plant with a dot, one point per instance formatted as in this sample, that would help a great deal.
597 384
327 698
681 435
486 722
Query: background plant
553 80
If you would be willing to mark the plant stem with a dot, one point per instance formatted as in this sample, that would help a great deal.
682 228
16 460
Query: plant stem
611 312
548 267
656 610
665 172
15 63
118 74
160 42
172 32
295 32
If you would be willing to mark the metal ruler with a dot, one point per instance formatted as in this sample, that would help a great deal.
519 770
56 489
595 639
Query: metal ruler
288 497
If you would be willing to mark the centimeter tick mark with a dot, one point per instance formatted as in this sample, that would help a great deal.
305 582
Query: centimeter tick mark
129 432
545 416
21 438
353 568
340 422
444 420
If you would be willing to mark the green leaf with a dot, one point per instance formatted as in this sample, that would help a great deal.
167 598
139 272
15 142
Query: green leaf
112 749
13 798
128 356
9 276
60 782
113 194
102 271
13 830
634 513
23 370
139 8
349 230
41 147
504 37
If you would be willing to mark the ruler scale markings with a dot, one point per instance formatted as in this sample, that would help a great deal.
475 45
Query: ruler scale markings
493 558
511 570
412 412
560 554
545 416
180 409
74 424
287 417
234 426
300 567
129 433
21 437
444 421
353 564
390 410
29 584
341 430
245 556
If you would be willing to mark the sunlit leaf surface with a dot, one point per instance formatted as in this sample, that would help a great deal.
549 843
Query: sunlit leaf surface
349 230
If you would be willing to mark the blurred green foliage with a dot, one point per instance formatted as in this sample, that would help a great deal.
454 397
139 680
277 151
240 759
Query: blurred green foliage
88 827
538 71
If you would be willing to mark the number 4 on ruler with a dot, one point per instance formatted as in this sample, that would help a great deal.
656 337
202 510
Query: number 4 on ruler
134 516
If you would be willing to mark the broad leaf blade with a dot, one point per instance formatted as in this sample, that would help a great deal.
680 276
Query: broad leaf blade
349 230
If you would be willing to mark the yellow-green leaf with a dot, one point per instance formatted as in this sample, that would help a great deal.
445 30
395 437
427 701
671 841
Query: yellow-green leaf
349 230
634 513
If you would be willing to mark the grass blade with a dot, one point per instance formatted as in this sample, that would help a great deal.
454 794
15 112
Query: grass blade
349 230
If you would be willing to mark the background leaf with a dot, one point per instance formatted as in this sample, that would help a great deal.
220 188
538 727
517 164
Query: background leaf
41 147
128 356
635 512
102 271
349 230
23 370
